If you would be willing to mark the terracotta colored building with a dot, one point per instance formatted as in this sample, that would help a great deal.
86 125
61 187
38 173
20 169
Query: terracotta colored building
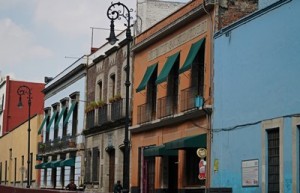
12 116
172 102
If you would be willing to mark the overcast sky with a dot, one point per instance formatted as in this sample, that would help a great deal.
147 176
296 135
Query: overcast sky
41 38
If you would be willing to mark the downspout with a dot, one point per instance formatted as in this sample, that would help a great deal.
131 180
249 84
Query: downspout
208 114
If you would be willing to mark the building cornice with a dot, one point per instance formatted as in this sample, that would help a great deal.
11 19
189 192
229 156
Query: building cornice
176 24
78 70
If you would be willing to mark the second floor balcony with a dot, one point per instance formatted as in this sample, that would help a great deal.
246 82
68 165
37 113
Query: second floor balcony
65 143
106 114
169 106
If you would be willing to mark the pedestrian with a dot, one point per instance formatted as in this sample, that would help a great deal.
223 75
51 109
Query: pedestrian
71 186
118 187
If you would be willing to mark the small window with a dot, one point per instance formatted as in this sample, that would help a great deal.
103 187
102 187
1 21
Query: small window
273 160
112 85
100 85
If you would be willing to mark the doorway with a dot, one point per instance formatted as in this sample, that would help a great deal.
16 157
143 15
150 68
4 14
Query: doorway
173 174
111 170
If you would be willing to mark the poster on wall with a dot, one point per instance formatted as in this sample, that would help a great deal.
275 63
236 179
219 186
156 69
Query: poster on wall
250 172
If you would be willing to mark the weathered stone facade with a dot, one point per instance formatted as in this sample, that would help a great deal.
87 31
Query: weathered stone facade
105 135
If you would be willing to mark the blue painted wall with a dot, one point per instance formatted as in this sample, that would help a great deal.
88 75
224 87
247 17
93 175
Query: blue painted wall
256 77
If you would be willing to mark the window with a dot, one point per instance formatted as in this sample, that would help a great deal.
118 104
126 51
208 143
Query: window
65 126
112 85
45 171
172 88
47 111
22 163
151 94
74 120
100 85
96 161
197 72
62 171
5 173
74 98
273 160
88 166
0 172
15 174
55 108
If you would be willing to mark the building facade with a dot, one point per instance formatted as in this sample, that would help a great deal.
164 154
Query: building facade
172 102
10 115
105 116
14 157
255 145
62 146
149 12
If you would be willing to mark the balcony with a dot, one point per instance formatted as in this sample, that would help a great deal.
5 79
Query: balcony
66 143
145 113
190 100
106 114
168 106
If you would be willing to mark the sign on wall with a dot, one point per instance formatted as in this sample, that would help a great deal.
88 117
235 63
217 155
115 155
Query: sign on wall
250 172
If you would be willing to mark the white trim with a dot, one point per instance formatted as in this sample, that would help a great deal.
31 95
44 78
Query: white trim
271 124
295 155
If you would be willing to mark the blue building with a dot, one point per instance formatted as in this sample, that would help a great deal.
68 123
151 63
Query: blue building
255 143
62 148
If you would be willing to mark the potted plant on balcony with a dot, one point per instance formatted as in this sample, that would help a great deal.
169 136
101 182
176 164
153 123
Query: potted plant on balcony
71 143
100 104
42 147
115 98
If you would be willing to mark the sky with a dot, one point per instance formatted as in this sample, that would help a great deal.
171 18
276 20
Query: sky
41 38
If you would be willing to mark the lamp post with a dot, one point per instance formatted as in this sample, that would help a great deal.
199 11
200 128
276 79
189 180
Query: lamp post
25 90
114 13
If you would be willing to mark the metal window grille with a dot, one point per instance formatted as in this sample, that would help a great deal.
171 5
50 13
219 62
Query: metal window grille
273 161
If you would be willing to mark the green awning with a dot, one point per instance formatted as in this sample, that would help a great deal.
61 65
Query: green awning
40 166
159 151
42 125
70 112
55 164
167 68
191 56
51 121
47 165
195 141
59 117
68 162
146 77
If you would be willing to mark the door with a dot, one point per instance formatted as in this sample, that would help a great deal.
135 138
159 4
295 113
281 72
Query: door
148 175
173 174
111 170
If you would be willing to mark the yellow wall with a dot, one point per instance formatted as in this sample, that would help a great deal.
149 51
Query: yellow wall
16 140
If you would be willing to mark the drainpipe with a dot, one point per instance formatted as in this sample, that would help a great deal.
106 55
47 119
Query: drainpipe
208 114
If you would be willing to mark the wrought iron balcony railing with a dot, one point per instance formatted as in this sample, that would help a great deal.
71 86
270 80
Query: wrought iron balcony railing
189 99
145 113
58 144
166 106
106 113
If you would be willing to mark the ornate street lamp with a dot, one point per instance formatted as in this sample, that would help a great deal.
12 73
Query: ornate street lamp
117 11
25 90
